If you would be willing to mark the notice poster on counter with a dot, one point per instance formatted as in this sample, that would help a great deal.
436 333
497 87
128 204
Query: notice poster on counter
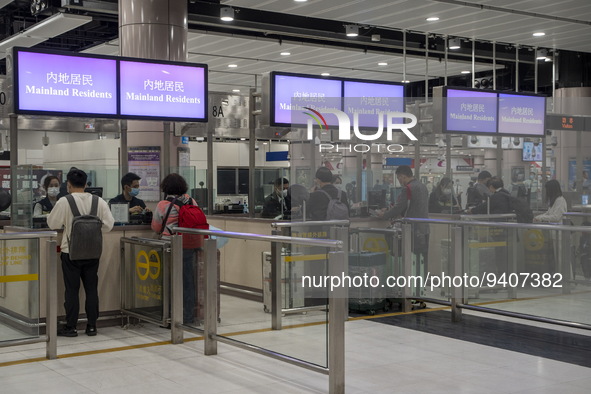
162 91
470 111
59 84
291 94
372 100
145 162
521 114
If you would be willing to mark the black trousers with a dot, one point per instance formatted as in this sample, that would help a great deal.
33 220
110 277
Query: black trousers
74 271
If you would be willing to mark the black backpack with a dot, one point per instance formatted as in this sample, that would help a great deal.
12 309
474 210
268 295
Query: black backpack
86 237
336 210
523 213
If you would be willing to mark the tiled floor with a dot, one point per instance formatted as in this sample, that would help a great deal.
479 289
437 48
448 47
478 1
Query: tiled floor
379 359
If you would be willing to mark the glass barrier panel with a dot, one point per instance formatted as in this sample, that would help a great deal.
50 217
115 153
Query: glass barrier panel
432 259
19 289
246 319
23 197
145 273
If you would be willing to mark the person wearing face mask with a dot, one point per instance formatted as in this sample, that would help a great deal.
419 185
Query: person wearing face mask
442 199
277 204
130 184
51 184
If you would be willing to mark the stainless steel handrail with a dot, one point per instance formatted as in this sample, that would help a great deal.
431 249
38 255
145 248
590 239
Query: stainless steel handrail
503 225
29 235
490 217
577 214
311 224
264 238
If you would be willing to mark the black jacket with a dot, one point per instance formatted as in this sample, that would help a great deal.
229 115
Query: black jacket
499 203
275 206
318 204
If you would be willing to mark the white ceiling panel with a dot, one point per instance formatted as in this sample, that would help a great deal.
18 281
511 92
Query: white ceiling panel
564 22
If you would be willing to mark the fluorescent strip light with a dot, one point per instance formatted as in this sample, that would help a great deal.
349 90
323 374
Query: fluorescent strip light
48 28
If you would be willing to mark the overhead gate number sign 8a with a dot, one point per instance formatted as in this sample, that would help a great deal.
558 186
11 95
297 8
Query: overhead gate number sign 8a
147 264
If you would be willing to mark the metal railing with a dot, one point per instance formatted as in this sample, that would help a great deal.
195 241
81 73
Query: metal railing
336 300
459 247
50 336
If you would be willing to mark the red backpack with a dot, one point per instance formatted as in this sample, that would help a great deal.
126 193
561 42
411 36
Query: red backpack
190 216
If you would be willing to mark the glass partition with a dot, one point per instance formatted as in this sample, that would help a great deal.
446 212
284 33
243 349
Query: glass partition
19 289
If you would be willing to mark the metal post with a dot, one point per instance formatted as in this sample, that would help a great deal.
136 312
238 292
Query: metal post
457 292
176 332
407 264
564 260
124 163
210 170
211 297
251 154
342 234
51 307
276 283
337 304
512 259
166 149
13 162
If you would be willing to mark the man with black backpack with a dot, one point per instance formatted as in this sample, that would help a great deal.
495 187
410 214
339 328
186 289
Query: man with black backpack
82 216
327 202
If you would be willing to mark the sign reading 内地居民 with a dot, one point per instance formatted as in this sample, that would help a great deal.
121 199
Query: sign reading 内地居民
163 91
62 85
470 111
371 101
522 114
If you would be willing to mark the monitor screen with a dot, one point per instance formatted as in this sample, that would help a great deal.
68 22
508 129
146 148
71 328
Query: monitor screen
163 90
290 93
57 84
532 152
371 100
521 114
470 111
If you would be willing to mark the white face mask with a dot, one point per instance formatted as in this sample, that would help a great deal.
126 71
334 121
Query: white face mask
284 192
53 191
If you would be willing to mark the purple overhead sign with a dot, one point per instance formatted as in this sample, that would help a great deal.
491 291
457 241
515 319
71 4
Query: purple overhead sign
470 111
371 100
521 114
66 84
162 90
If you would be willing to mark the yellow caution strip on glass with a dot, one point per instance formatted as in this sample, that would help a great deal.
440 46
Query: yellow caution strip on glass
306 257
19 278
487 244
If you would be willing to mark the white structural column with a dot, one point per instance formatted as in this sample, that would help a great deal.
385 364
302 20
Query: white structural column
153 29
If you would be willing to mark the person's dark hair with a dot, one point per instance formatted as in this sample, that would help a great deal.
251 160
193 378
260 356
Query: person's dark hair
484 175
444 182
128 179
281 181
77 178
174 185
404 170
553 191
48 180
495 182
336 178
323 174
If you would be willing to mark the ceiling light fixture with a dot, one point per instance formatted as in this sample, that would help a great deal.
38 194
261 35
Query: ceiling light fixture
454 43
232 65
236 90
542 54
285 53
325 74
300 1
432 19
382 64
405 81
465 72
352 30
539 34
227 14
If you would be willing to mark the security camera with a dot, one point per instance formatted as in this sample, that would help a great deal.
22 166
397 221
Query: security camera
45 140
256 147
200 139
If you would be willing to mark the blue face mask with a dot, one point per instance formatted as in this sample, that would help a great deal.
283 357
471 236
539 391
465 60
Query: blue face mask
134 191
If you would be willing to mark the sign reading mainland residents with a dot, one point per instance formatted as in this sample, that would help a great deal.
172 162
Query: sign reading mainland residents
163 90
65 84
470 111
372 100
318 93
521 114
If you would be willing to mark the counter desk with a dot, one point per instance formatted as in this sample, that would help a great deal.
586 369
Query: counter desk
109 270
